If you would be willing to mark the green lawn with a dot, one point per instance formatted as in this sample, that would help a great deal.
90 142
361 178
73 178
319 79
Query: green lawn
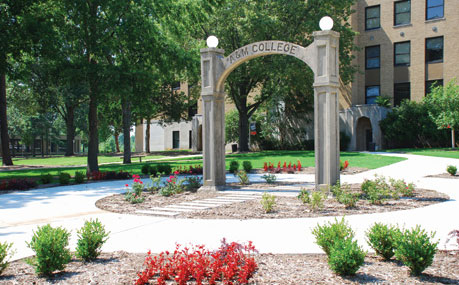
355 159
438 152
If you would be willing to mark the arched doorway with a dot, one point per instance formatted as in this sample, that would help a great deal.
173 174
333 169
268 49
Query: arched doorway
364 134
322 56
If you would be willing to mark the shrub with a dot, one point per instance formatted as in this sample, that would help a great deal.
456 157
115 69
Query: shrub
451 169
91 237
46 178
171 187
79 177
49 245
304 196
344 195
269 178
232 263
327 235
346 257
376 190
193 183
234 166
383 239
96 175
166 169
64 178
145 169
17 184
384 101
153 170
416 250
5 252
247 165
400 187
268 202
243 177
317 200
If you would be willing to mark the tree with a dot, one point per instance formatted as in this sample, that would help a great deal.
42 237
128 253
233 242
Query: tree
286 20
443 106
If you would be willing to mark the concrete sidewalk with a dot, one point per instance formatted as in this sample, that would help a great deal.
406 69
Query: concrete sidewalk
70 206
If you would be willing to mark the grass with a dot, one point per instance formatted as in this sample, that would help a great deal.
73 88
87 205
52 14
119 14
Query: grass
257 159
437 152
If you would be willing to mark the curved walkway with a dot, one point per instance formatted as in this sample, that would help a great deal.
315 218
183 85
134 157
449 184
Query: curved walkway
70 206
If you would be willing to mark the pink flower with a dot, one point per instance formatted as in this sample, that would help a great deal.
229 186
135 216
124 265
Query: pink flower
141 182
127 185
176 172
171 177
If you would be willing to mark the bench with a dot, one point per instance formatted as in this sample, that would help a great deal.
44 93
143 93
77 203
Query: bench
136 155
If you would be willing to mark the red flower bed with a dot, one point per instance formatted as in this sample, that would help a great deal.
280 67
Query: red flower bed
17 184
269 167
197 169
232 263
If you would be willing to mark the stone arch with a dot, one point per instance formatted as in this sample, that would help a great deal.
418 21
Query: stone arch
364 133
321 56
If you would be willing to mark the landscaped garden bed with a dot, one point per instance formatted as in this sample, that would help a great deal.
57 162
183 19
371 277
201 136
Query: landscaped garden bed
122 268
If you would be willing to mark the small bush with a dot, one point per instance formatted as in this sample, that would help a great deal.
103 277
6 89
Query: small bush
155 183
153 170
304 196
64 178
346 257
234 166
327 235
145 169
5 252
400 187
166 169
268 202
247 165
79 177
46 178
192 183
344 195
17 184
383 239
49 245
376 190
416 250
243 177
91 237
269 178
451 169
317 200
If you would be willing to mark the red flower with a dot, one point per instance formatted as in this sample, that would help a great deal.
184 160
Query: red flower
127 185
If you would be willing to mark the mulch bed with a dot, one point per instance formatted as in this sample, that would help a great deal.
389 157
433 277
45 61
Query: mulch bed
121 268
286 207
444 175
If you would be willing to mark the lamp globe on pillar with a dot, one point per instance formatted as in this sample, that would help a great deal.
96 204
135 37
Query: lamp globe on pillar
326 23
212 42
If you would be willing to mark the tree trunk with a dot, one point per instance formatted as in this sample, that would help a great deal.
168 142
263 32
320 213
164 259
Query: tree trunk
70 126
117 141
453 139
93 141
42 150
126 107
243 129
6 156
147 137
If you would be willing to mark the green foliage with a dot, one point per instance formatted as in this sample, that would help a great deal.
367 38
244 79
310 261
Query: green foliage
317 200
145 169
79 177
443 105
376 190
346 257
192 183
153 170
46 178
327 235
133 198
451 169
416 249
384 101
400 187
344 195
166 169
155 183
247 166
383 239
5 252
49 245
234 166
64 178
268 202
304 196
91 237
243 177
401 130
269 178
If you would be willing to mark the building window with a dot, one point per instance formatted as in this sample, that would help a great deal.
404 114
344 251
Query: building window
176 85
175 139
402 53
372 57
433 83
371 93
434 50
401 92
190 140
434 9
372 18
402 12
